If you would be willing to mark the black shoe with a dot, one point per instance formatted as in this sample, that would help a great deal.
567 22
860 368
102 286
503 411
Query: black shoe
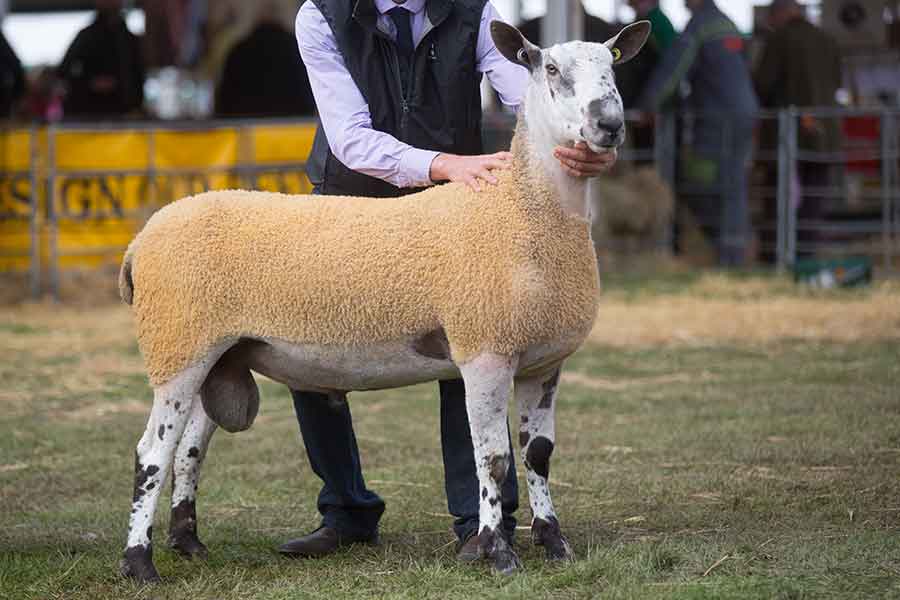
323 541
469 550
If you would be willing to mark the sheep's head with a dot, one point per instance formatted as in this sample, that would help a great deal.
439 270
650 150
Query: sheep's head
573 89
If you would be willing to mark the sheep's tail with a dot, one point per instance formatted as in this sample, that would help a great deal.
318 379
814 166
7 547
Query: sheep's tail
126 284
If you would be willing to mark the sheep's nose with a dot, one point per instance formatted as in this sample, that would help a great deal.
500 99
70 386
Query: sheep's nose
605 115
610 126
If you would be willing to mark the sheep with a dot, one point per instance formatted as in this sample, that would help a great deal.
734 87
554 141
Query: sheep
336 294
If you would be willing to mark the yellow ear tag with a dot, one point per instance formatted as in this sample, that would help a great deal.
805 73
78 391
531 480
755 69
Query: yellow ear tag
617 54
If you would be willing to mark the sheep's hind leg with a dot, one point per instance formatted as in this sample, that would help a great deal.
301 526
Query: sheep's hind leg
488 379
536 398
153 460
186 475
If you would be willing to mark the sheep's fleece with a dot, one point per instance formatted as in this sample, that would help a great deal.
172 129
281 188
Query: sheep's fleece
500 270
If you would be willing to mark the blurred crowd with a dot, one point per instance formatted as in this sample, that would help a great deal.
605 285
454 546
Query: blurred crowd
105 69
707 69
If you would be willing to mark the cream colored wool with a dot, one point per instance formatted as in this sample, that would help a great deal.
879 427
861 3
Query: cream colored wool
501 270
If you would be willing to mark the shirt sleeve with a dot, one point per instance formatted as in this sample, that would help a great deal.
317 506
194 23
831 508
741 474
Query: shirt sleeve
508 79
345 115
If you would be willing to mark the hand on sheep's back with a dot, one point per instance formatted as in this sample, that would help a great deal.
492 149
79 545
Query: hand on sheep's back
471 170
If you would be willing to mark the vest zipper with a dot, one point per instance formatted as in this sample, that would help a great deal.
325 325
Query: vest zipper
404 103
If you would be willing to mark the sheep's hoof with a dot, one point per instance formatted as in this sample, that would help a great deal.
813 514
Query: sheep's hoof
547 534
137 564
495 546
506 562
187 545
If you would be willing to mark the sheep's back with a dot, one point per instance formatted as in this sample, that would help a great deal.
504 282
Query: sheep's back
305 269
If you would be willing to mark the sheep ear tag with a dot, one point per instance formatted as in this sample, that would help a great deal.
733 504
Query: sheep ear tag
628 42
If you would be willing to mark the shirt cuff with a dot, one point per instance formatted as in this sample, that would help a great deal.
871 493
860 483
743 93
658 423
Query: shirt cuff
416 167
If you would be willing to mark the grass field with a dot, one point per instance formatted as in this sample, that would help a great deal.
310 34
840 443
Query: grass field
718 437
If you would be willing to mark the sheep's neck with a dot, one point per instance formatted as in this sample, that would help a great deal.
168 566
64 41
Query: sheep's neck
540 173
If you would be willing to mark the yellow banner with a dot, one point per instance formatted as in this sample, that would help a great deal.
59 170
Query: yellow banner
16 148
105 184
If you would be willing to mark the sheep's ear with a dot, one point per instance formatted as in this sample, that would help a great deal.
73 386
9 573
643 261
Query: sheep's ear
628 42
513 45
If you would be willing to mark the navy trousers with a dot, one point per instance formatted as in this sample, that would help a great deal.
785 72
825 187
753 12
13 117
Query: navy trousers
347 505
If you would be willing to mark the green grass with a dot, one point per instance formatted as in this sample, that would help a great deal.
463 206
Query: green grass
778 465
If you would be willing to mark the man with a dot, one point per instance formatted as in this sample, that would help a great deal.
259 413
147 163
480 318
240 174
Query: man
662 34
632 78
263 74
709 56
397 84
12 79
595 29
801 66
103 68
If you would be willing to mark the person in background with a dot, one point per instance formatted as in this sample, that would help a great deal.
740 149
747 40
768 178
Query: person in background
397 85
709 56
595 29
662 34
103 69
12 79
263 74
632 77
800 66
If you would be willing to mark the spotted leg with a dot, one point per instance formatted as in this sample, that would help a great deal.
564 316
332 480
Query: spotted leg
536 398
153 460
186 475
488 379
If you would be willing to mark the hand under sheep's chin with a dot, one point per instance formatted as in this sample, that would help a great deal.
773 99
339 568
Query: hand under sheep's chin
584 160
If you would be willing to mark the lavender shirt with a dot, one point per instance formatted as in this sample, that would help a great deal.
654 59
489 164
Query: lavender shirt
345 114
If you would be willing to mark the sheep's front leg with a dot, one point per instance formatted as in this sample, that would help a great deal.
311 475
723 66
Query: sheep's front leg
536 398
488 379
153 460
186 475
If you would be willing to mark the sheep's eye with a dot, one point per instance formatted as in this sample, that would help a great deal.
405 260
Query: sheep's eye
552 70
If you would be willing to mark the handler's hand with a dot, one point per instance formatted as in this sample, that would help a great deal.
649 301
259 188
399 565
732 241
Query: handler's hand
471 170
581 161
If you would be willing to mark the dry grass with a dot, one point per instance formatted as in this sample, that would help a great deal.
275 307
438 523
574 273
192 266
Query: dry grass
718 309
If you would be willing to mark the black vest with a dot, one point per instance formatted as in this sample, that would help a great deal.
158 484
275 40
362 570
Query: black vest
441 109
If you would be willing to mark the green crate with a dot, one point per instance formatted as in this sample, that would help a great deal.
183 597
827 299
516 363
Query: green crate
847 272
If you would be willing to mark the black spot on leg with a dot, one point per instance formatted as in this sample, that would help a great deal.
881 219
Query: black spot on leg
494 501
150 532
499 465
538 456
483 493
193 452
549 388
183 530
141 475
170 426
150 486
177 405
524 436
162 431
